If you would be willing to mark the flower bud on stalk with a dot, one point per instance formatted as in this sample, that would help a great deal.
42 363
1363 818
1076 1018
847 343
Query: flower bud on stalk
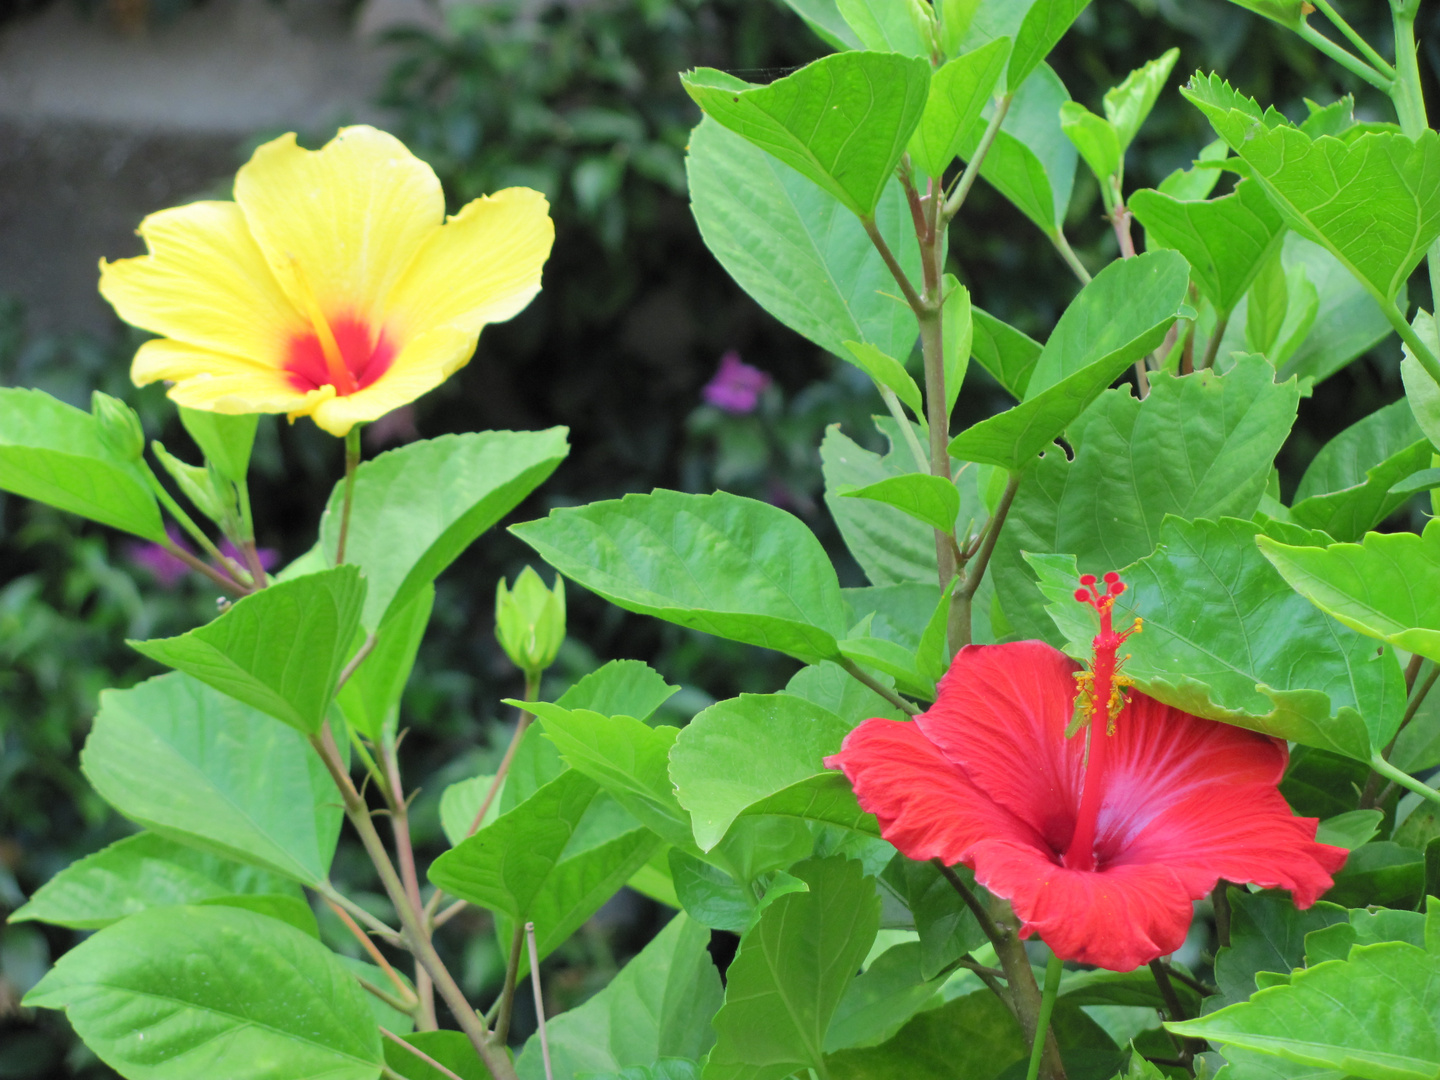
119 425
530 621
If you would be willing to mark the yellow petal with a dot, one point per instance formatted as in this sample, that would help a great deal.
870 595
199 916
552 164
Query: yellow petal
214 381
204 282
481 266
424 363
342 223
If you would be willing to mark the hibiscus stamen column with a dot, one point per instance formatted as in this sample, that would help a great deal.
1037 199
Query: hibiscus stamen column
1101 699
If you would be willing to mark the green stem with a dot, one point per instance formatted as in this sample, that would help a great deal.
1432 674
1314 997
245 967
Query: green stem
896 270
1346 59
200 566
884 691
1409 100
352 463
959 631
972 167
1212 347
1418 348
1403 779
196 533
1380 63
512 976
1053 970
1068 254
907 429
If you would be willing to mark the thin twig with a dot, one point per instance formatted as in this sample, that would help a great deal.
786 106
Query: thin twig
879 688
1062 245
355 661
334 896
375 954
1203 989
229 584
896 270
539 998
1379 62
441 1069
512 976
389 999
252 562
352 464
958 630
1175 1008
449 913
400 828
1212 347
972 167
987 923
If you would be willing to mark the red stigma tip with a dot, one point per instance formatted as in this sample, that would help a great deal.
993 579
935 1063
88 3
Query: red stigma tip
1087 579
1111 578
1082 596
1116 587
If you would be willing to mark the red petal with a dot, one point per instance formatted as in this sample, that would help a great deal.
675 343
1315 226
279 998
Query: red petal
926 806
1001 715
1117 918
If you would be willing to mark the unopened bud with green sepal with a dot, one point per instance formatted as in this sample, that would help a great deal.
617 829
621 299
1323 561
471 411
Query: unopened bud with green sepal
119 425
530 620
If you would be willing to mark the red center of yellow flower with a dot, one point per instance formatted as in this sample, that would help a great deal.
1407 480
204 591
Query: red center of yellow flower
363 356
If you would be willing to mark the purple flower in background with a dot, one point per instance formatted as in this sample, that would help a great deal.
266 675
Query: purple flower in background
167 570
737 386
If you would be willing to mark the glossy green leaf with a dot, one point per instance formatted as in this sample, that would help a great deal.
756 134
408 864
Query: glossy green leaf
1005 352
174 993
370 698
885 26
725 565
627 758
292 910
1346 490
1421 391
1031 162
226 441
461 801
792 971
1226 638
417 508
1372 201
888 372
1375 1015
549 860
958 326
890 546
1127 105
958 92
740 751
1225 240
620 688
138 873
842 121
931 499
187 762
797 250
1364 928
450 1048
54 453
836 691
1267 933
1095 138
280 649
1198 181
823 17
1044 25
1377 587
1288 13
1122 314
946 925
1348 320
1350 830
974 1036
824 798
1381 873
882 1000
712 897
658 1006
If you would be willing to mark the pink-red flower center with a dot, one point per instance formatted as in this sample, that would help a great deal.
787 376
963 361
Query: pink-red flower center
360 356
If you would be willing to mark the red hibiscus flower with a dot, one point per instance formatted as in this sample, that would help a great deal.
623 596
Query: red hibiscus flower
1100 844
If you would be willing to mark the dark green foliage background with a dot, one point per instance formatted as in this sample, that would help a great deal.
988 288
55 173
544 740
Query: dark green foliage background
583 102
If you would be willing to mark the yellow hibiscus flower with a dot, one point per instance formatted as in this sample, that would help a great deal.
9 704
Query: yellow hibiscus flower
332 287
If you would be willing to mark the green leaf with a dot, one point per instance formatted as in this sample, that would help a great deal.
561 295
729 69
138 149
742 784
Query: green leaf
620 688
1288 13
174 993
823 17
709 895
931 499
1226 638
1380 873
836 691
553 859
1197 182
292 910
1267 933
54 453
1121 315
842 121
1095 138
215 500
974 1036
664 1069
958 93
882 1000
1266 305
795 249
1364 928
946 925
1421 391
1045 24
1372 201
626 757
792 971
890 546
1031 162
1374 587
658 1006
450 1048
1350 830
1127 105
226 441
1199 446
1225 240
1348 321
417 508
193 765
888 372
1005 352
725 565
138 873
958 324
1375 1015
885 26
280 649
824 798
1346 489
460 802
740 751
370 698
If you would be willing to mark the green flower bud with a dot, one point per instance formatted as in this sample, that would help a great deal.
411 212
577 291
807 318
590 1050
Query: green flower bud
119 426
530 621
